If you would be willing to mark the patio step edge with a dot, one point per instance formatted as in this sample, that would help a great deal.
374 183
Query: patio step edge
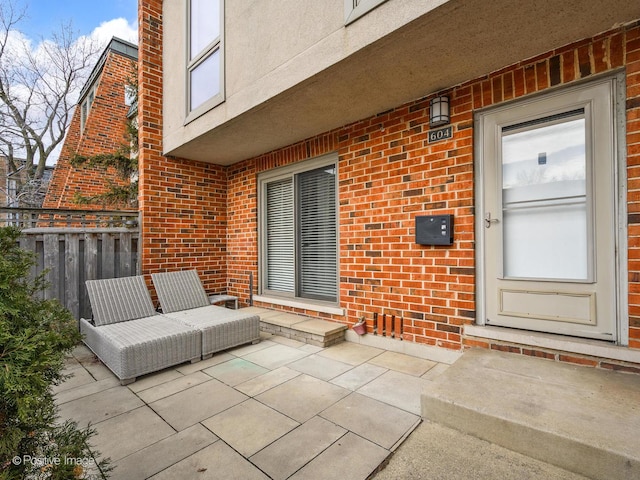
310 330
318 339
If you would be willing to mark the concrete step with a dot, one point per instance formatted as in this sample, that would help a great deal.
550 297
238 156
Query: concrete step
581 419
435 452
313 331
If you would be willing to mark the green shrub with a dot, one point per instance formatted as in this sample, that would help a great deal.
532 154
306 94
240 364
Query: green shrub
35 336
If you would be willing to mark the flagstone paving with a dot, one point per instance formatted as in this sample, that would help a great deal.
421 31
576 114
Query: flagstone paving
275 410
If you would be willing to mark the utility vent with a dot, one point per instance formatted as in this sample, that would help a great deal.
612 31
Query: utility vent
387 325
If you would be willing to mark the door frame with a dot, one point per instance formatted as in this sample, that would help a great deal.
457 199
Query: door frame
618 84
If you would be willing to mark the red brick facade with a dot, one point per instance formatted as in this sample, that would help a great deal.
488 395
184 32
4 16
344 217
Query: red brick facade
204 216
104 132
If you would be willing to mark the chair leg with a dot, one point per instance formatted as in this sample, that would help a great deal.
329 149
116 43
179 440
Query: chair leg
127 381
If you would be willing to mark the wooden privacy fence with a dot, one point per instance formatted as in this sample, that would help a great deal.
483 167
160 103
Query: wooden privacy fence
73 246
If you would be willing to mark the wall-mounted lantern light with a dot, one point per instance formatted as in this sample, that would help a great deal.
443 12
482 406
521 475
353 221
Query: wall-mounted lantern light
439 111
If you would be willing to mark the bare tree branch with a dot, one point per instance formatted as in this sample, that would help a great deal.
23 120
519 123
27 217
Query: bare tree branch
38 89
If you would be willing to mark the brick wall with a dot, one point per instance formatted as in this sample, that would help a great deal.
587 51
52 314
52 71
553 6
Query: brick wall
386 177
630 50
4 171
243 209
388 174
183 204
104 132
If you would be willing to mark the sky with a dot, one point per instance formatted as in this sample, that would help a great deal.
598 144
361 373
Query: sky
110 17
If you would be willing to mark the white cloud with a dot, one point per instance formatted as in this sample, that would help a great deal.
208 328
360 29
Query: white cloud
118 27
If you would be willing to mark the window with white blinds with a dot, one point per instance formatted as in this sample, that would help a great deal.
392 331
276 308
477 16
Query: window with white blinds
299 244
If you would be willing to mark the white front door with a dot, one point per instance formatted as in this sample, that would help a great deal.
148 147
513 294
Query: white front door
548 212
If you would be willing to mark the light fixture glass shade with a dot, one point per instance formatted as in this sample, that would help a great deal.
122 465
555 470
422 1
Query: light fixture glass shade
439 111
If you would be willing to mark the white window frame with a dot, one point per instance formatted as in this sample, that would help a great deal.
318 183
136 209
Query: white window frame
278 174
12 193
85 106
193 61
354 9
129 95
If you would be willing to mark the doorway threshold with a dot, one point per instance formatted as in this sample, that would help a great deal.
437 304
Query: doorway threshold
593 348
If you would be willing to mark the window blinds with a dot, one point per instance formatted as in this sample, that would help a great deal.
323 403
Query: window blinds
317 237
280 236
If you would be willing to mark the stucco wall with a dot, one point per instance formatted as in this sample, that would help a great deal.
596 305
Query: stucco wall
270 47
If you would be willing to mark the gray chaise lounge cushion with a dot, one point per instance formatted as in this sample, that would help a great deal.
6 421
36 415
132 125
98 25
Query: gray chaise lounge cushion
181 290
141 346
129 336
221 327
183 298
119 299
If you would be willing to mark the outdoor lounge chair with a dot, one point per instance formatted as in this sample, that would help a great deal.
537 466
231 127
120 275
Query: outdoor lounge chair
129 336
183 298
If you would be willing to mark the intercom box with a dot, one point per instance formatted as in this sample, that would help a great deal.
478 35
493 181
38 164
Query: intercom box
434 230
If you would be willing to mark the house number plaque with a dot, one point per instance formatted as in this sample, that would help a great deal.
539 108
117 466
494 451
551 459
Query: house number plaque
440 134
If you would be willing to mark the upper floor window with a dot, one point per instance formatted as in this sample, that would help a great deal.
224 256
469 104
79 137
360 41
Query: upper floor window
205 64
354 9
85 107
130 95
12 193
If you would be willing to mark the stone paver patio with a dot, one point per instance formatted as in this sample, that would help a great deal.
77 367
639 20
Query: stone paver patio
278 409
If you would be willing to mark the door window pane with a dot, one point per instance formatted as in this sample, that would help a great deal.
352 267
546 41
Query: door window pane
545 200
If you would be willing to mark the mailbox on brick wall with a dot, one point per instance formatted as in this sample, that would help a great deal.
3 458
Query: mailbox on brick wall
434 230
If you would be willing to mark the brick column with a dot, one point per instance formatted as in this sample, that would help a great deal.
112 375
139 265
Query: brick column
149 119
183 203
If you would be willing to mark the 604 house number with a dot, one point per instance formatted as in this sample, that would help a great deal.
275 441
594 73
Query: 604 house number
440 134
